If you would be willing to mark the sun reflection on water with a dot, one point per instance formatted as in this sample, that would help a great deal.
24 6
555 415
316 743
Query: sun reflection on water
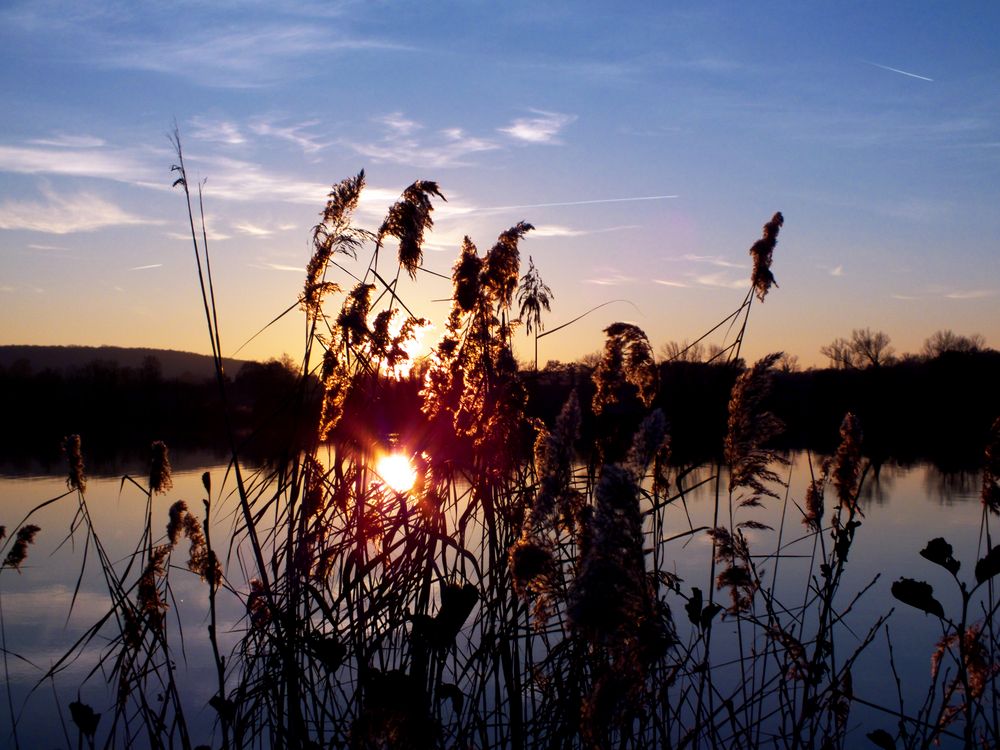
396 471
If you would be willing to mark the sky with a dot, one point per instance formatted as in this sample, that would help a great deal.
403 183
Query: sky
647 144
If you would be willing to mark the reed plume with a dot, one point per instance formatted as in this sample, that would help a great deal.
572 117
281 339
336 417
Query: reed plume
407 221
628 359
76 479
19 551
751 426
847 463
333 234
762 251
466 276
502 265
160 479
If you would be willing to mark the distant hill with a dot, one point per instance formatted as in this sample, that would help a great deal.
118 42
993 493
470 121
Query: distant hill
174 365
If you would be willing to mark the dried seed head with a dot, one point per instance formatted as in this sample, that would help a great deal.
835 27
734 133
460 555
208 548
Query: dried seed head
847 463
465 276
628 358
762 250
813 518
177 512
19 550
407 221
332 234
160 479
750 428
531 564
502 265
648 440
257 607
76 479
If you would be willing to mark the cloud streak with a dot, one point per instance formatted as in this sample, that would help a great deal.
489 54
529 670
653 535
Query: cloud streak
82 212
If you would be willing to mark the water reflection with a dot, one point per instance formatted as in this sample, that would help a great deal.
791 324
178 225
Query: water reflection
904 507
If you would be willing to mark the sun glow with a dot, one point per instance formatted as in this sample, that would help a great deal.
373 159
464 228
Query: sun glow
396 471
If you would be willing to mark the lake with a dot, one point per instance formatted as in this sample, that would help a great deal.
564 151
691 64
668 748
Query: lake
903 508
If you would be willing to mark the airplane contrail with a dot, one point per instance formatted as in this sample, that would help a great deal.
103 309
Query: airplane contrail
897 70
144 268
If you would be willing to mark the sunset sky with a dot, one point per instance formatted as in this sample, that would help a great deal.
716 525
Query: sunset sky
648 144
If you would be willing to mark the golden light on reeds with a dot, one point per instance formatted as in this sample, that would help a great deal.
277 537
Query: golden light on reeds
396 471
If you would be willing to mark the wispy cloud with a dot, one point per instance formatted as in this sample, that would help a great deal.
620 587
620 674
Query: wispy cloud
668 282
281 267
241 180
610 277
712 260
557 230
545 127
146 268
897 70
449 147
63 140
399 124
81 162
80 212
971 294
252 230
236 57
835 271
296 134
720 280
217 131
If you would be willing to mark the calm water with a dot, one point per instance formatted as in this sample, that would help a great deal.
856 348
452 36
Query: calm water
904 508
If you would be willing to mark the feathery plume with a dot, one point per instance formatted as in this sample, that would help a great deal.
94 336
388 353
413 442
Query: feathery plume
750 428
76 480
762 250
847 463
628 358
19 551
466 276
407 221
502 265
160 479
332 234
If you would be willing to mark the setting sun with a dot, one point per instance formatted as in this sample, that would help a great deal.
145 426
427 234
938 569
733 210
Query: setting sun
396 471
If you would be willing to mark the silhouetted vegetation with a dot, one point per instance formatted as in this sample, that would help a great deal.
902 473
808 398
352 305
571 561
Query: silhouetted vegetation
520 593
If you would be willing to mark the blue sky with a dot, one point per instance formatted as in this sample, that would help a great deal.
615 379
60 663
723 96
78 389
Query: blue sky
647 144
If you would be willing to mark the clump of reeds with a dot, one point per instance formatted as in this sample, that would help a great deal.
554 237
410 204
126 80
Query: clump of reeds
628 359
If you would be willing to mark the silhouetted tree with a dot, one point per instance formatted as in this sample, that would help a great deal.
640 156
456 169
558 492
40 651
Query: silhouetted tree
866 348
949 341
682 351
